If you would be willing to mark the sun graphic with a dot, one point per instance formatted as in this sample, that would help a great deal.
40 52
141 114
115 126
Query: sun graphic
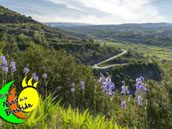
28 99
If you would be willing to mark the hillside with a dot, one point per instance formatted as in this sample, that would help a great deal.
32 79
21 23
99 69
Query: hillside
71 93
20 31
157 34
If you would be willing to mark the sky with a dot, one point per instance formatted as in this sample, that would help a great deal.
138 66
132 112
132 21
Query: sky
94 11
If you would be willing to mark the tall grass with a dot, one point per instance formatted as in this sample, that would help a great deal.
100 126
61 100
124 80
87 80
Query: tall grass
49 115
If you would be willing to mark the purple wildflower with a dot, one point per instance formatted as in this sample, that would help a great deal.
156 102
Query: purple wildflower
144 93
139 99
2 57
12 64
123 104
107 85
33 74
103 91
13 67
125 90
112 85
111 93
72 90
26 70
73 84
140 89
107 88
100 80
142 78
44 75
36 78
95 87
108 80
4 62
146 89
82 85
5 69
139 80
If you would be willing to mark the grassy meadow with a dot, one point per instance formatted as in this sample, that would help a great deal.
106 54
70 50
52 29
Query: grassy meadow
164 53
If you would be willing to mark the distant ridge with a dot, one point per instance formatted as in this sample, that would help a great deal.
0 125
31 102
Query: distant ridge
73 24
57 24
162 24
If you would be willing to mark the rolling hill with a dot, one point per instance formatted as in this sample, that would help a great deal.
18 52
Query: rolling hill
20 31
157 34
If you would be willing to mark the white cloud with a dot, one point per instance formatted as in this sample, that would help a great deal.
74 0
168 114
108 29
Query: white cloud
118 11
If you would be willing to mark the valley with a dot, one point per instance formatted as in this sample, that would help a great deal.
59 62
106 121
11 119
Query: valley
89 76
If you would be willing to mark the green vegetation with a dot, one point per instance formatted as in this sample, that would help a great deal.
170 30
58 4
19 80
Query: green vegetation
18 32
49 115
149 34
161 53
79 99
130 57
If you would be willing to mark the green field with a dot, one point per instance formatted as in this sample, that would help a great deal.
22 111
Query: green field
159 52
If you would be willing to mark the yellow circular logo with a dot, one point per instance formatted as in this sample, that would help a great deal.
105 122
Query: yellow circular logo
28 99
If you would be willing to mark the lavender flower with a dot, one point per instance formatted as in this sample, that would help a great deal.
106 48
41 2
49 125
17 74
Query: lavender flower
73 84
146 89
72 90
107 85
44 75
82 85
111 93
101 80
108 80
4 62
142 78
139 99
139 80
95 87
33 74
13 67
26 70
12 64
123 104
125 90
103 91
2 57
140 88
5 69
36 78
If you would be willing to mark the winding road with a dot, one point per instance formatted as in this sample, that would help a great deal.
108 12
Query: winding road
95 66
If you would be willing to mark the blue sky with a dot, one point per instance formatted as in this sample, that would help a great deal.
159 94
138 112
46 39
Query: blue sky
93 11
